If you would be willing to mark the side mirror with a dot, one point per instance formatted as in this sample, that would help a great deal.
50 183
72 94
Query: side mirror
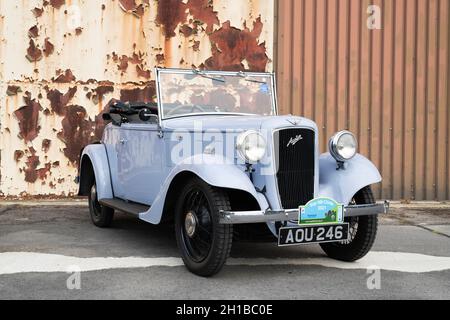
146 115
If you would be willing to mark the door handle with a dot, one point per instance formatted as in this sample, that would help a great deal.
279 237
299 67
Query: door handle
122 141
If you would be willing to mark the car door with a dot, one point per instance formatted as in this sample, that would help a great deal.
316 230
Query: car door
140 162
112 140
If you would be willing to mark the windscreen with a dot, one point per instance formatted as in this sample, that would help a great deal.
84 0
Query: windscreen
197 92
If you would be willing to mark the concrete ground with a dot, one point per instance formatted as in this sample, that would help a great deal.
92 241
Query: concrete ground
41 241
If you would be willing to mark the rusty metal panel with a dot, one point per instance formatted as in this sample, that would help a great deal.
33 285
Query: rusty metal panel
389 85
63 61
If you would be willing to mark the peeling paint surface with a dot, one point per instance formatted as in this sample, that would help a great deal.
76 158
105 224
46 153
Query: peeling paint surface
28 119
63 62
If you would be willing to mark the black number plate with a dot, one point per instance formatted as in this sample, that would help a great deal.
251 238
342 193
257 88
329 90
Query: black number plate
313 234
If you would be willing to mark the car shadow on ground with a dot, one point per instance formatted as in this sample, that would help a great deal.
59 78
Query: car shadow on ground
164 235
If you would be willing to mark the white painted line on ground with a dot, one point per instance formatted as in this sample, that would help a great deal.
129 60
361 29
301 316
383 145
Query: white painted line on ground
23 262
392 261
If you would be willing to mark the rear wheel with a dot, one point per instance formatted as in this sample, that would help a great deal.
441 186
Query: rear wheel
101 216
363 231
204 243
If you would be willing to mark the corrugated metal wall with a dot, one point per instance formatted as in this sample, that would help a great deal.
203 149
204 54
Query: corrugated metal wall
63 61
389 86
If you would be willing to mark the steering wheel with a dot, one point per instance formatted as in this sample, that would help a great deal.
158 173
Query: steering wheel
182 106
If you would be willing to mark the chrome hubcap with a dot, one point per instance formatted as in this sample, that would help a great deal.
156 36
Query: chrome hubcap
190 224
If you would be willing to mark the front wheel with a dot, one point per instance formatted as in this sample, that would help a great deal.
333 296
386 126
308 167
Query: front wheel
363 231
204 243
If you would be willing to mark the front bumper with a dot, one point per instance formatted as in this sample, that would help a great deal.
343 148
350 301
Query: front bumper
244 217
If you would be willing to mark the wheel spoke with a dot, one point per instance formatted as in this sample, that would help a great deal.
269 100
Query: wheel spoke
195 200
189 201
206 243
199 202
204 229
198 244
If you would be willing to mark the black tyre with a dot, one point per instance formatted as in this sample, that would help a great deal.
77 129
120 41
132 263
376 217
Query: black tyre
363 231
101 216
204 243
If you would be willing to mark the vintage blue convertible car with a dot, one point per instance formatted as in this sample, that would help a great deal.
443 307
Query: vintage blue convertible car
213 156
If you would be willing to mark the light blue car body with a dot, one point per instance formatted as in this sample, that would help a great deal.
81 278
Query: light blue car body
133 162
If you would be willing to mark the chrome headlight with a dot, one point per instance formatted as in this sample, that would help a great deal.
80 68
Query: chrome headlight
251 146
343 146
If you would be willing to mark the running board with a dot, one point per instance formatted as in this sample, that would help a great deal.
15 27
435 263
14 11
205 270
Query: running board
127 207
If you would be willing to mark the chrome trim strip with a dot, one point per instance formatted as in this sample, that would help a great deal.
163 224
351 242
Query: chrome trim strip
223 114
246 217
158 96
215 72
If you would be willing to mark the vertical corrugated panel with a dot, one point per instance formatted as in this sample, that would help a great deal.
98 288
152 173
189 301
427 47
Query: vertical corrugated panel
389 86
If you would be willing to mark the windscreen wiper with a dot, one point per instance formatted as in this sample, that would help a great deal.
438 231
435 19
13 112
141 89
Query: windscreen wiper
243 75
204 75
